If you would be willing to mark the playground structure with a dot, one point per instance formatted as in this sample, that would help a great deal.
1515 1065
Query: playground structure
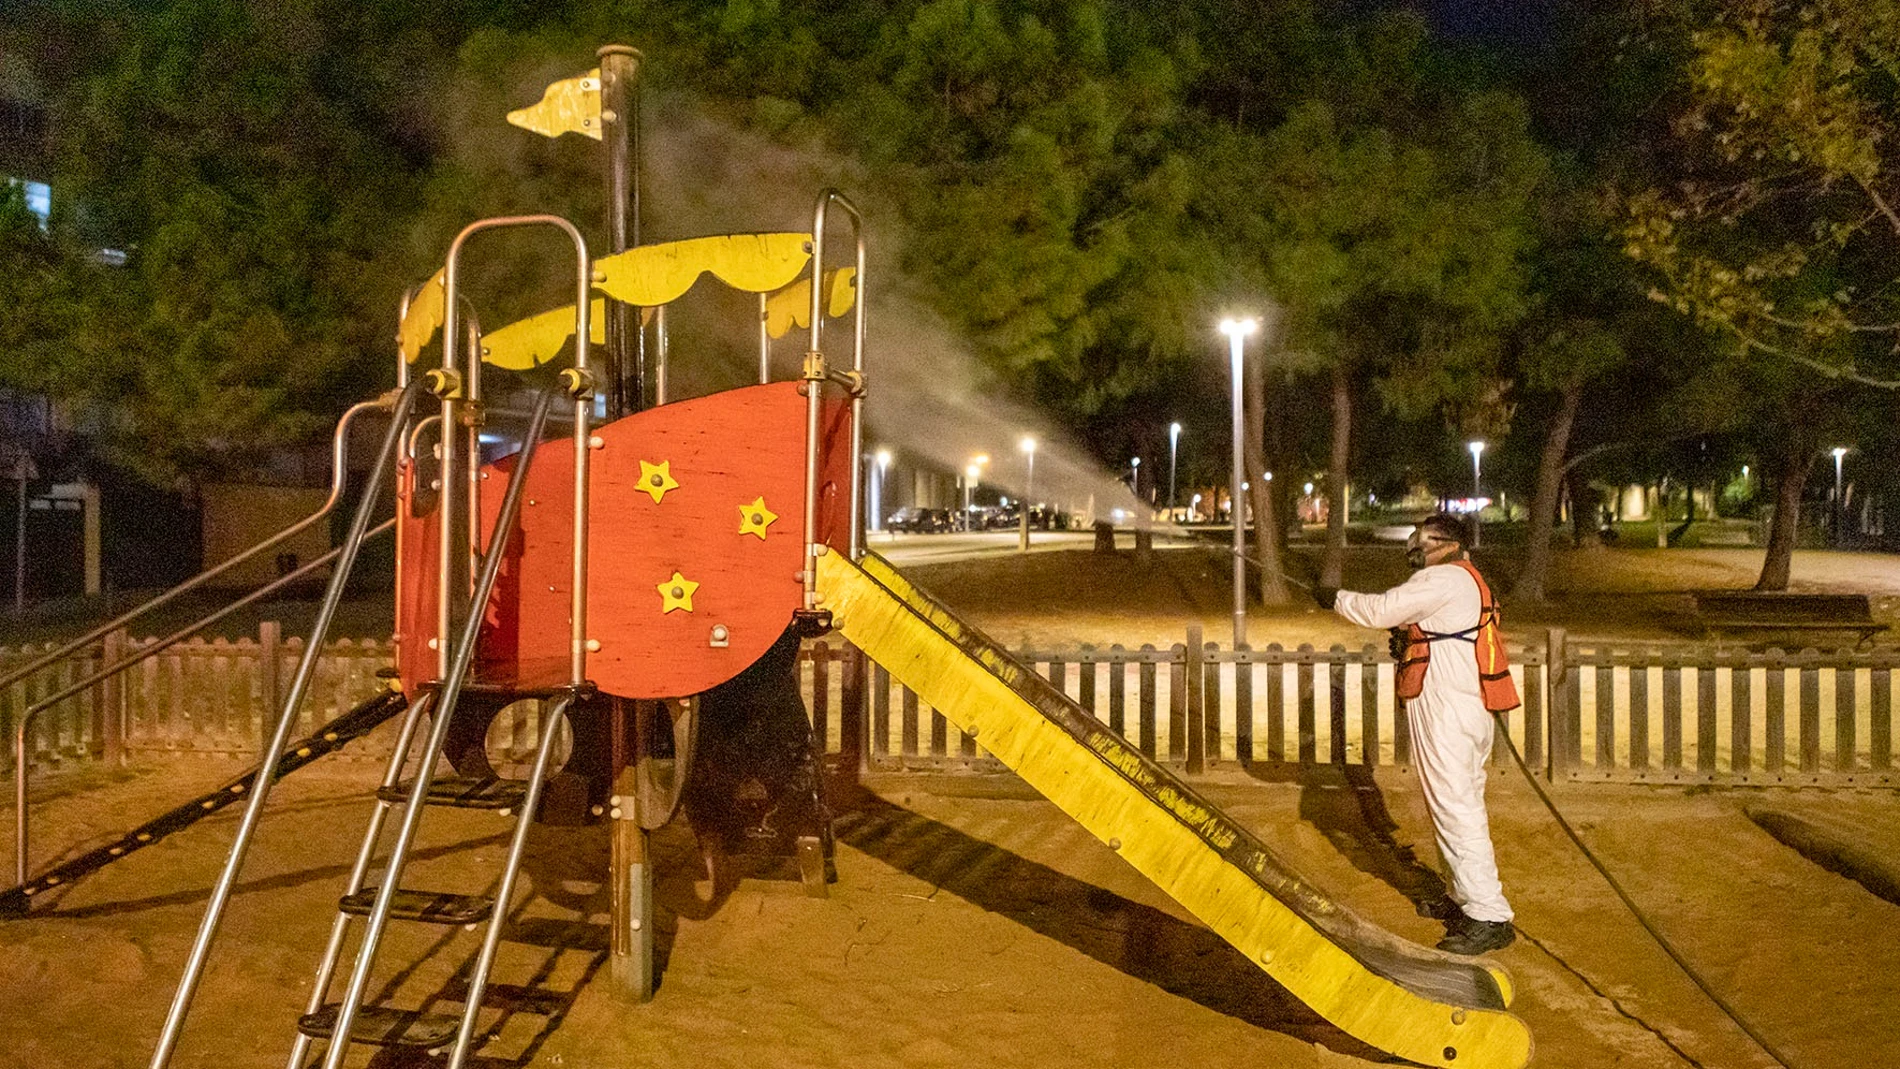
647 575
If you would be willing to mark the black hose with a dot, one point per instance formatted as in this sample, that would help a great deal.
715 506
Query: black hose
1635 910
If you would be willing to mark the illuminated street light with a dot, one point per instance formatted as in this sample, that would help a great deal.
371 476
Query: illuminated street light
1840 512
882 460
1477 492
1174 454
1028 446
1236 330
969 484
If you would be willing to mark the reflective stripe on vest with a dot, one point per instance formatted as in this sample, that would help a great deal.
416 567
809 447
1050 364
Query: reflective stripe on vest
1487 641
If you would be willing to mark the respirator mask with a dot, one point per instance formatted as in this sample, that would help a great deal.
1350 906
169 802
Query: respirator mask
1422 544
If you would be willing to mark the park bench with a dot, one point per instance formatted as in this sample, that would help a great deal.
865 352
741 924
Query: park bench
1731 611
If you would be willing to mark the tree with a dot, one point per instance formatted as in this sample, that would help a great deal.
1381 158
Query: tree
1781 235
1400 256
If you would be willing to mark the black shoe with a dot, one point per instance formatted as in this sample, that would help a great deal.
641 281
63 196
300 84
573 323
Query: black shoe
1473 937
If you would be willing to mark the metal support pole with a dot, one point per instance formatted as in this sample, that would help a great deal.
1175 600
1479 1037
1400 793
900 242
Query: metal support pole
19 540
620 138
765 342
1235 493
631 862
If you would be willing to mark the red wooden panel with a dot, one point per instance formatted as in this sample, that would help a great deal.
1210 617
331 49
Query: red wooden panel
724 451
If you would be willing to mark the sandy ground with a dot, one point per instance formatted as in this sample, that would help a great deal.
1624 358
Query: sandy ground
972 926
1070 597
976 926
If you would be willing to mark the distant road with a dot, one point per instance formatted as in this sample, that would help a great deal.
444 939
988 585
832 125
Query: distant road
902 549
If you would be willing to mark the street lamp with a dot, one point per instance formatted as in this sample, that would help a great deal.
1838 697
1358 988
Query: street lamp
1477 491
1028 446
1236 330
1134 476
1840 512
1174 454
969 484
882 458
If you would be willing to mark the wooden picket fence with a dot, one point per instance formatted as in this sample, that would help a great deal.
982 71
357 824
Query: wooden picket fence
1634 713
216 696
1650 713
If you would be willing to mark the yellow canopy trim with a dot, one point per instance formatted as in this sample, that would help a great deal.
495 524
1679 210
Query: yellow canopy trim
422 320
791 306
531 342
649 275
569 106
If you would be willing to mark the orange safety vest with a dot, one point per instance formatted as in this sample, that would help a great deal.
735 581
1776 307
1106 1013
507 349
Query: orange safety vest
1487 641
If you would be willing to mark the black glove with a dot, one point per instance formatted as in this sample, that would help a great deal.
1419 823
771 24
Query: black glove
1326 596
1396 642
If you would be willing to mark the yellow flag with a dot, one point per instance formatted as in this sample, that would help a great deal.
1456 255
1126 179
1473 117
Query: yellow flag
569 106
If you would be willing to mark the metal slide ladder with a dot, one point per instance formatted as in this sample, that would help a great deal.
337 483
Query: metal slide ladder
388 900
348 1022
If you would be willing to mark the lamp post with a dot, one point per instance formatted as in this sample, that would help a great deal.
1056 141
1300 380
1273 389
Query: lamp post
1477 492
1840 512
1028 446
1236 330
1174 455
1134 476
882 458
969 484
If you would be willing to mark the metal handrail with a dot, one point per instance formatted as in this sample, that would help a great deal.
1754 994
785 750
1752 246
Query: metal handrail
578 384
23 726
339 474
280 737
814 382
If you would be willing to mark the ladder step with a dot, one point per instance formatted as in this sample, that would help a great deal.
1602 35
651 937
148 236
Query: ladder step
382 1026
435 907
465 793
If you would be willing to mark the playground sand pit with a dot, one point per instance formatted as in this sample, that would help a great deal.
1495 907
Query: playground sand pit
1068 597
971 926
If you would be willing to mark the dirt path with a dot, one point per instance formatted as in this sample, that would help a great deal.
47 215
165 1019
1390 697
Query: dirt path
973 927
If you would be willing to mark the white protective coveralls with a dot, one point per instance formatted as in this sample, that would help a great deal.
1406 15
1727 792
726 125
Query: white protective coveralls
1451 730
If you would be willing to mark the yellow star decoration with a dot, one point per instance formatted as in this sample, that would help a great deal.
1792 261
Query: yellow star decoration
657 479
677 593
755 518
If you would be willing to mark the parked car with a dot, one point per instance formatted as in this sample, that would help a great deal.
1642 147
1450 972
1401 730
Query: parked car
919 520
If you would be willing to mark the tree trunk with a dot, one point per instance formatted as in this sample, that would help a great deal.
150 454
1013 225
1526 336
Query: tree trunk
1285 508
1531 581
1266 548
1794 479
1334 564
1584 509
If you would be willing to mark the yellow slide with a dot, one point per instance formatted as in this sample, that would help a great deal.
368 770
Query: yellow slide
1419 1004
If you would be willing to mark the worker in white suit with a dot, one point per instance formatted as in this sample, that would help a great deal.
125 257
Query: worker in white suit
1452 677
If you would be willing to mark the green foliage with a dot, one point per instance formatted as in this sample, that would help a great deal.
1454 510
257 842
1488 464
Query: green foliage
1082 188
1783 234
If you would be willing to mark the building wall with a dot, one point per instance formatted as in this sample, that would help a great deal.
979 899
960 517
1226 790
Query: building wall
237 516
